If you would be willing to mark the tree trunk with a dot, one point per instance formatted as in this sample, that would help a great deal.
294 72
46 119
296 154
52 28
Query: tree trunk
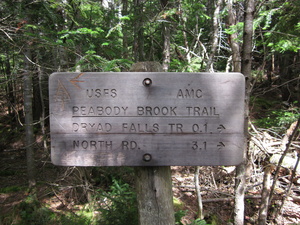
247 39
11 100
246 70
263 211
166 51
153 184
124 30
239 206
138 42
43 110
182 20
29 135
235 47
215 37
166 38
198 191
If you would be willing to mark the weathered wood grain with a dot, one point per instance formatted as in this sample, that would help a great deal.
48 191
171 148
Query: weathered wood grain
118 119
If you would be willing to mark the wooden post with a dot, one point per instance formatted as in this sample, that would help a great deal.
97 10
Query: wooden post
153 184
154 195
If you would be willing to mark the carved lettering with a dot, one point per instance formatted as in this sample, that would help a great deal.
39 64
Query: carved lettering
106 127
198 128
176 127
92 127
129 145
99 110
156 111
197 145
202 111
97 93
92 145
140 128
189 93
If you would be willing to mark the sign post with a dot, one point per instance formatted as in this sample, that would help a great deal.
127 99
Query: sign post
150 120
146 119
153 183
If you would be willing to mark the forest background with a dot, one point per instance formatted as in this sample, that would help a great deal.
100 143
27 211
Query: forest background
39 37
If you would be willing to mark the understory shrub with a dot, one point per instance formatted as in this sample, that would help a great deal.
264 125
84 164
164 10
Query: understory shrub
118 206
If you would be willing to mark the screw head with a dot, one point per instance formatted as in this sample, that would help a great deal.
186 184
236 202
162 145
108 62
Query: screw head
147 82
147 157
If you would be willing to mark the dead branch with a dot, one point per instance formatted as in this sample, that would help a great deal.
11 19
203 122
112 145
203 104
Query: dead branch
232 198
293 133
288 191
198 191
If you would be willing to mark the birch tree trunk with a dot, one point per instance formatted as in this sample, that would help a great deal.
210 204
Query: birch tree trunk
240 181
43 111
29 134
198 192
166 51
215 37
166 37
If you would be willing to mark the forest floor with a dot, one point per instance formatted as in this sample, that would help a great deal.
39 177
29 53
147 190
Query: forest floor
216 187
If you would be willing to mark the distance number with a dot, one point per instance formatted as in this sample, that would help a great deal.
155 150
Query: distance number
197 145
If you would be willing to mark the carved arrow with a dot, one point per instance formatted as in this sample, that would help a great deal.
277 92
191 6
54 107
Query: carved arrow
75 80
221 128
220 145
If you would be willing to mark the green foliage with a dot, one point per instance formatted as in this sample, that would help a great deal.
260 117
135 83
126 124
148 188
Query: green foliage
83 218
197 64
199 222
238 28
80 31
181 213
279 119
117 65
283 45
285 117
94 62
10 189
280 26
178 204
178 216
118 206
31 211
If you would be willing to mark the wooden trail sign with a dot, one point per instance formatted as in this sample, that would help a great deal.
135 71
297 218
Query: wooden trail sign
146 119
